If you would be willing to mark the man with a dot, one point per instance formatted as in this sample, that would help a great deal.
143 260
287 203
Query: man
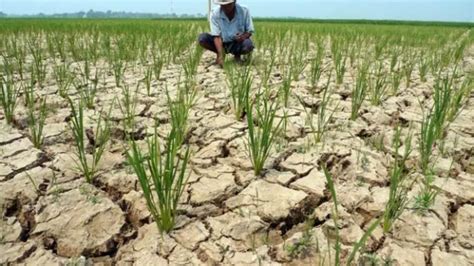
231 29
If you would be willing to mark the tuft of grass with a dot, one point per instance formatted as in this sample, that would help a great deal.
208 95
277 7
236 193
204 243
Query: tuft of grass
36 118
378 85
127 106
359 92
428 135
324 115
335 215
427 196
240 83
316 65
262 137
162 177
285 88
179 109
338 57
88 167
398 198
8 98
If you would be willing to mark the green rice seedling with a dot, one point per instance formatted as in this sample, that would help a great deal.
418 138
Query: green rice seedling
334 216
63 78
267 70
38 66
317 66
36 118
127 106
394 58
361 243
240 83
379 48
407 68
87 90
147 80
118 67
378 85
157 65
9 93
359 92
396 79
191 64
459 97
297 61
179 110
427 196
428 136
261 138
162 177
444 104
324 115
423 66
88 167
338 58
285 88
398 198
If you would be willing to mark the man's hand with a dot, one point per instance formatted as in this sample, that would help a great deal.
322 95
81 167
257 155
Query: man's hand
220 61
240 37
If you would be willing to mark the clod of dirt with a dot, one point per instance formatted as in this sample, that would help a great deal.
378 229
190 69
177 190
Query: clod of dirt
273 202
82 223
191 235
147 249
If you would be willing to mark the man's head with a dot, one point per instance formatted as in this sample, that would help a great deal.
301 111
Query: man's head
226 5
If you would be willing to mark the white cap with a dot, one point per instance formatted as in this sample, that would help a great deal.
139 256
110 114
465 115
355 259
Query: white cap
223 2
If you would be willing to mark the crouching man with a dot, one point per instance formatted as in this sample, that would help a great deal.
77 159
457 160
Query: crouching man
231 29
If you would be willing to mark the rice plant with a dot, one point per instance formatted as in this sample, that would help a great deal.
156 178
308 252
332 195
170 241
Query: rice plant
459 97
64 79
427 195
127 106
148 79
396 79
285 88
428 136
240 83
191 64
324 114
407 68
317 65
359 92
9 93
118 67
87 90
179 110
378 85
162 177
87 163
339 59
334 216
398 196
423 65
262 137
36 118
297 61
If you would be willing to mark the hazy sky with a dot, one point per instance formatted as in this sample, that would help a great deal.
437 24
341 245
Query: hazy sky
441 10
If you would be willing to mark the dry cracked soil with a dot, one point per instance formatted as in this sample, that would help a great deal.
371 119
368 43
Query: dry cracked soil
228 216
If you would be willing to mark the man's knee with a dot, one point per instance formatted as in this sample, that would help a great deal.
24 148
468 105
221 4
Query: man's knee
203 38
247 46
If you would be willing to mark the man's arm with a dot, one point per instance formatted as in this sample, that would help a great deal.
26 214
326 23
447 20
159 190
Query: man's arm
220 50
216 32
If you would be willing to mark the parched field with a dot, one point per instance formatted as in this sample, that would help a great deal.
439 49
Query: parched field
122 143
